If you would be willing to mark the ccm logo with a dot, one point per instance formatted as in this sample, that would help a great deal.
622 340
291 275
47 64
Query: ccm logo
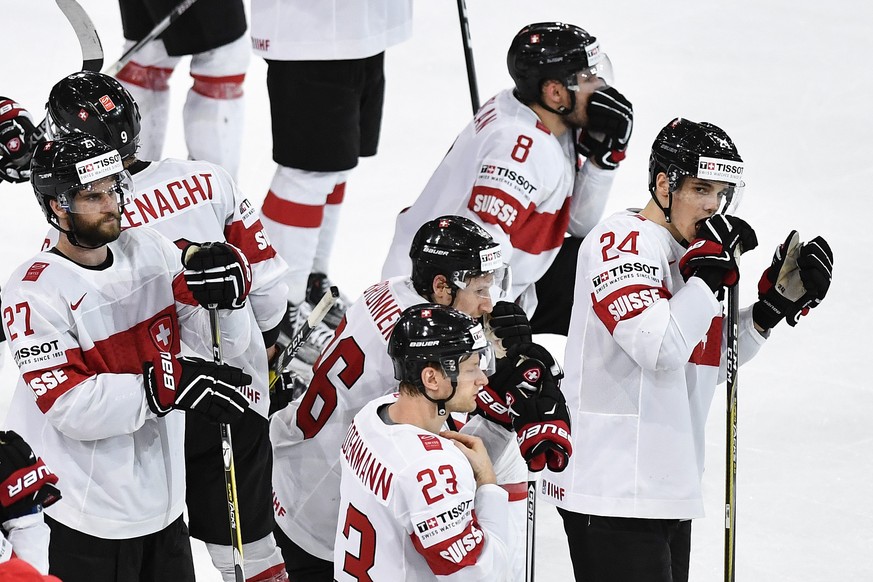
30 478
47 380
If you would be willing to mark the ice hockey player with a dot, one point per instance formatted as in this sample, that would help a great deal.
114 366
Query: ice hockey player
214 35
646 351
455 263
97 325
420 502
536 163
27 486
198 201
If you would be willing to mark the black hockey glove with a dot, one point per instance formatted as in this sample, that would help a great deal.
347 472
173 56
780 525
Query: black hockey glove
710 256
218 274
610 124
509 324
16 136
195 384
288 387
797 280
25 481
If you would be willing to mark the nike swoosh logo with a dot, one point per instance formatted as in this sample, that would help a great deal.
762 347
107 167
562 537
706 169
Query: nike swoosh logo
75 306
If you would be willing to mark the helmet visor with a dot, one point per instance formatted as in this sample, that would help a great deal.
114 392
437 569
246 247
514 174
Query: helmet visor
486 364
598 73
99 196
493 285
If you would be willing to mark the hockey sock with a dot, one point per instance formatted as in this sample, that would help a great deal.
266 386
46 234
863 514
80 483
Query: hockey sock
262 561
329 225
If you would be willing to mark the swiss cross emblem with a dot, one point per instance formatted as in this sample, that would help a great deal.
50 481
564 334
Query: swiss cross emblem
535 39
13 144
444 223
83 115
711 165
107 103
161 332
426 312
532 375
432 523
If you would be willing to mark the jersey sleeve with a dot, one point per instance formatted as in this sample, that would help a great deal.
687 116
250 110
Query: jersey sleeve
590 192
629 277
75 399
459 530
244 230
518 170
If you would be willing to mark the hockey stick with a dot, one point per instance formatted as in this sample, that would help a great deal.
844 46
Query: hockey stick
89 42
229 468
283 359
530 537
468 55
730 488
160 27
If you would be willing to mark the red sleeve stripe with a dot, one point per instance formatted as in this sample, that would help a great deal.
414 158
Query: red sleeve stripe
517 491
291 213
708 352
247 240
181 292
124 352
626 302
456 553
338 194
230 87
529 231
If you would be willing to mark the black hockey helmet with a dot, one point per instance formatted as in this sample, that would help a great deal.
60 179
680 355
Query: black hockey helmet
553 51
457 248
62 169
702 150
96 104
436 335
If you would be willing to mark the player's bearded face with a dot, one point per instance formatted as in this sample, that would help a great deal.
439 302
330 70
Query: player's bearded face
95 214
578 118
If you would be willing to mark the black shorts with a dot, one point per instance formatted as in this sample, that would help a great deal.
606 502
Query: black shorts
205 26
555 291
78 557
326 114
300 564
623 549
206 495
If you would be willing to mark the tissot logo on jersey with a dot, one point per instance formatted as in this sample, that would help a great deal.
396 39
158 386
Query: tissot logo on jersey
46 354
446 519
103 165
494 172
629 272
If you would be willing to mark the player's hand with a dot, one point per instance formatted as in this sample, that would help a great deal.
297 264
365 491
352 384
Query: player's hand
710 256
474 449
16 136
195 384
796 281
607 133
288 387
218 274
25 481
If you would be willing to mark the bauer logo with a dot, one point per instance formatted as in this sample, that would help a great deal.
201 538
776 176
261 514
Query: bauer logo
107 164
720 170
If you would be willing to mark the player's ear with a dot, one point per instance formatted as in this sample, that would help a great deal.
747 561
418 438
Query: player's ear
553 93
57 208
430 377
662 188
442 291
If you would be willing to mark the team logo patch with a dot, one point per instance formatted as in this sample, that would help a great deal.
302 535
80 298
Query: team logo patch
532 375
444 223
426 312
535 39
34 271
13 145
83 115
107 103
161 332
430 442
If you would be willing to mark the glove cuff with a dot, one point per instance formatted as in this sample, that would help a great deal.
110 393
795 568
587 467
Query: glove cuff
765 314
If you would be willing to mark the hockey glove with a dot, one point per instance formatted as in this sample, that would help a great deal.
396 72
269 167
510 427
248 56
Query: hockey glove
16 133
710 256
607 133
195 384
25 481
218 274
288 387
509 324
787 289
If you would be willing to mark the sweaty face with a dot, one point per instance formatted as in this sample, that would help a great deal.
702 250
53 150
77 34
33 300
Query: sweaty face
695 201
95 213
475 299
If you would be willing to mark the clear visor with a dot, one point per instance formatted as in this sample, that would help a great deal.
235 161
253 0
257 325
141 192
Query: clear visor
731 197
54 131
493 285
486 364
99 196
594 75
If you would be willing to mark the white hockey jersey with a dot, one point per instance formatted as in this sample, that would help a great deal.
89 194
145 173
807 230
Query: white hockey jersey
80 337
353 370
298 30
510 174
410 509
198 201
644 354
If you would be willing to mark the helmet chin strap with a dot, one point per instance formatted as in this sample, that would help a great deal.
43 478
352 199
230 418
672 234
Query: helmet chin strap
441 402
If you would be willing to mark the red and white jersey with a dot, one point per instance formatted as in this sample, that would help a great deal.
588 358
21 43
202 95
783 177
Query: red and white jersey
80 337
410 509
644 354
298 30
353 370
198 201
507 172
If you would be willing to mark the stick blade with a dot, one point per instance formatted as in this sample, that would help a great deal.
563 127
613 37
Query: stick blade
92 49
